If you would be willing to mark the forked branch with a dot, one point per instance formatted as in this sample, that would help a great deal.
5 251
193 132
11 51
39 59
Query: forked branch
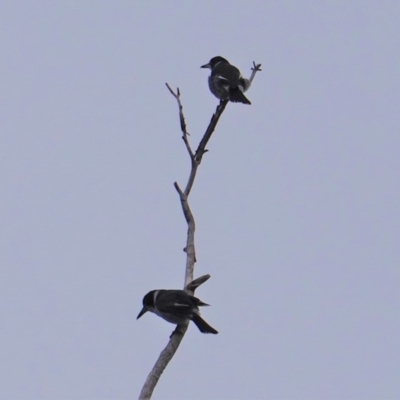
190 284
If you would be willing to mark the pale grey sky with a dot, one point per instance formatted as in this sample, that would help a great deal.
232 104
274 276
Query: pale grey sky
296 204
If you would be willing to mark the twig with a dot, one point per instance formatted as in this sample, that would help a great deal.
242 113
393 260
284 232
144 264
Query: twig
185 134
255 68
192 286
182 121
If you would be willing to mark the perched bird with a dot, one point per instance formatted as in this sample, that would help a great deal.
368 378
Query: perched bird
175 306
226 81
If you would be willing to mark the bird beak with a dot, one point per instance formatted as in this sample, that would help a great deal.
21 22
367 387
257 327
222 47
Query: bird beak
143 311
206 66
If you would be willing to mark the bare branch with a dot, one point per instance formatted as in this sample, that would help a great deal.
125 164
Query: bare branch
211 127
254 70
182 121
190 247
194 162
163 360
190 284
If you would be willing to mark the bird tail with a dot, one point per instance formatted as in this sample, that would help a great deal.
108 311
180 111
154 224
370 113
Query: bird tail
237 96
202 325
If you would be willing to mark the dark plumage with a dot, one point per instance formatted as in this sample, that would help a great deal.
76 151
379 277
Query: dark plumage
226 81
175 306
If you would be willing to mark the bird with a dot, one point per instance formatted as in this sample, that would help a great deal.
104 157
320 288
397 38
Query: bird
226 81
176 307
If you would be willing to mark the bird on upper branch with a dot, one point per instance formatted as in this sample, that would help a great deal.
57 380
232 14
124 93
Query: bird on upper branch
226 81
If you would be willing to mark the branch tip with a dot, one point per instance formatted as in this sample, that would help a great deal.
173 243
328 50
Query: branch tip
192 286
178 189
256 67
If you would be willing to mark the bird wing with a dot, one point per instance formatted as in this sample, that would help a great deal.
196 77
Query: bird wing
175 302
227 74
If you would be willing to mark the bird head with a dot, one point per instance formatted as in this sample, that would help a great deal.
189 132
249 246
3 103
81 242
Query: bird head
214 61
148 302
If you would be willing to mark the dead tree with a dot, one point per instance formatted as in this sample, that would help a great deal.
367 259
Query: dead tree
190 284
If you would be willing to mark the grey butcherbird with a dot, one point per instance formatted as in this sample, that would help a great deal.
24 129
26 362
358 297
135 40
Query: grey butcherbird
175 306
226 81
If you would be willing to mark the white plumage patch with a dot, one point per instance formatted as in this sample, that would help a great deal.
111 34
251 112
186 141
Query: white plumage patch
155 295
181 305
245 84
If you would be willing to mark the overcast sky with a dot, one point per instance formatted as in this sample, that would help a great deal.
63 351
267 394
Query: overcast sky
296 203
